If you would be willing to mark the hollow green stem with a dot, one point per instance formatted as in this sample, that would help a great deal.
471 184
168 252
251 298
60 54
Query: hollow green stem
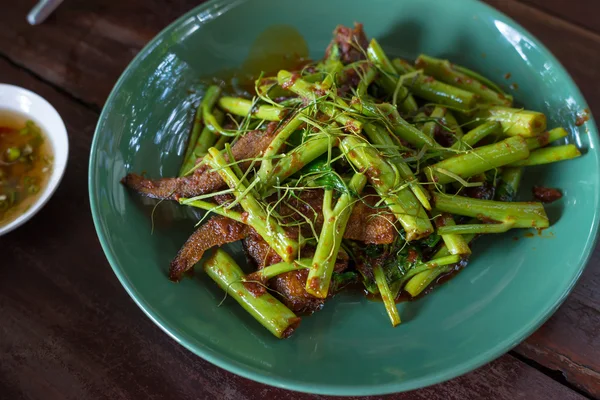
311 93
380 137
521 214
444 251
266 165
269 87
263 307
402 66
478 160
386 295
188 158
421 281
541 140
297 159
330 238
399 125
428 88
456 244
369 76
515 121
245 107
264 224
477 134
430 265
273 270
389 78
444 71
389 185
214 208
549 155
208 103
452 124
437 115
220 144
205 140
476 229
509 183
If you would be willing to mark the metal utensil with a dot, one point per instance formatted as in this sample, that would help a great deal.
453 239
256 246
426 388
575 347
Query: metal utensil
42 10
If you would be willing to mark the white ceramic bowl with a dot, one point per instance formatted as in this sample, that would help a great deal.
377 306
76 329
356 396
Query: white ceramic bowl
36 108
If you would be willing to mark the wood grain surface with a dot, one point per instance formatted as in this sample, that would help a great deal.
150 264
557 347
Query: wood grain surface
69 330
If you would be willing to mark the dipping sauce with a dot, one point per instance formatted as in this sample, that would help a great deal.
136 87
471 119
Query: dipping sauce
25 164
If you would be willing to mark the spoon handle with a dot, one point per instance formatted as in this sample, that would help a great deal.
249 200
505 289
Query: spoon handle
42 10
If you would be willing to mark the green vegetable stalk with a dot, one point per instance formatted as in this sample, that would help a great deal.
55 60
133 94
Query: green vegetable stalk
456 244
387 182
437 116
428 88
402 66
386 295
419 281
541 140
200 139
208 103
510 178
264 224
479 160
444 71
271 271
244 107
330 238
515 121
549 155
508 215
475 135
263 307
297 159
389 78
188 163
266 165
399 125
214 208
312 93
380 137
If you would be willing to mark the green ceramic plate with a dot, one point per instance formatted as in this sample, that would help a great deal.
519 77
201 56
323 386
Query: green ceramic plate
349 348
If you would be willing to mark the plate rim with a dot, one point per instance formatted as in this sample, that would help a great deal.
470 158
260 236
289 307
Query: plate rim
220 361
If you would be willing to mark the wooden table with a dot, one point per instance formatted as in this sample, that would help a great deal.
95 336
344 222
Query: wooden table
69 330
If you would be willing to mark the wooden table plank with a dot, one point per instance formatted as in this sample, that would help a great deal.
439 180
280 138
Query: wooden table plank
69 330
570 341
583 13
85 45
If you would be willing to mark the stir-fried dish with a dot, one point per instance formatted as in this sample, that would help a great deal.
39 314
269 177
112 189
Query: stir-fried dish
356 169
25 165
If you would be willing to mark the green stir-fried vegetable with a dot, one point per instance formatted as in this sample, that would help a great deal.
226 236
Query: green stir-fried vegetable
355 168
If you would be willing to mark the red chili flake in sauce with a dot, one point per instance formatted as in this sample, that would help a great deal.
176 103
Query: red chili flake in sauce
514 86
507 75
287 84
255 288
546 195
412 256
582 118
486 220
